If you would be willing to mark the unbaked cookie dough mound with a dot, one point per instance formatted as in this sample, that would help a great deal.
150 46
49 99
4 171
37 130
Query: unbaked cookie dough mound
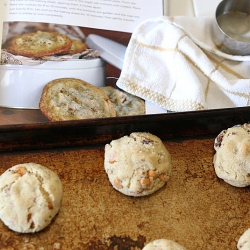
30 196
163 244
137 165
244 241
232 158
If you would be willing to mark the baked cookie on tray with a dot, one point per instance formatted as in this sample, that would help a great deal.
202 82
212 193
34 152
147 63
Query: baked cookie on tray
138 164
73 99
232 157
163 244
30 197
125 104
39 44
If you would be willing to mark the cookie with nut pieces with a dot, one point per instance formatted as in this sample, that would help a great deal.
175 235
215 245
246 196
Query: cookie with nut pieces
39 44
76 47
30 197
232 155
124 103
244 241
138 164
74 99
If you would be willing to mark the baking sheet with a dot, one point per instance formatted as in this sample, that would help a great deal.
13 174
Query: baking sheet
92 132
195 209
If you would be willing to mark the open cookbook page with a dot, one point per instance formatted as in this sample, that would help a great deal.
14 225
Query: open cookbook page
102 14
103 26
115 15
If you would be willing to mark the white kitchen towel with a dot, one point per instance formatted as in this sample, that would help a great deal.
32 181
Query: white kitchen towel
173 63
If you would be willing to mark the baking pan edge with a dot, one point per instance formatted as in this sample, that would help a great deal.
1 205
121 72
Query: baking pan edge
85 133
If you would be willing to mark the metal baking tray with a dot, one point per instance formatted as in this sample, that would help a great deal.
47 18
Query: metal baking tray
82 133
195 208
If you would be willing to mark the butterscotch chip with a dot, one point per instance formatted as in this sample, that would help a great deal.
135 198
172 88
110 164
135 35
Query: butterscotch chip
163 244
72 99
136 164
30 197
39 44
232 156
76 47
125 104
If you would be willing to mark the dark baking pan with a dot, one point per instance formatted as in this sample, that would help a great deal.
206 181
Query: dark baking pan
87 133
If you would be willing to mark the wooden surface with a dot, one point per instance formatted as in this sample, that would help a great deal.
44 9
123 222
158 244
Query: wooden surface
195 209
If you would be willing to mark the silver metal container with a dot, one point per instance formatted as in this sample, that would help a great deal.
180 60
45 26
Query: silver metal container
231 27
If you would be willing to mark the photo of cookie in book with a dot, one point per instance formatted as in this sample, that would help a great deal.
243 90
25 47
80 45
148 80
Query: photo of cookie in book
34 54
43 41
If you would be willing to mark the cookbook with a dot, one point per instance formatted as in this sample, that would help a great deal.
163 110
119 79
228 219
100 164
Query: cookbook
104 26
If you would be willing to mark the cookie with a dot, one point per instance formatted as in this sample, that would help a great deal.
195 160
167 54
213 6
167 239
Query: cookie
163 244
244 241
125 104
232 157
73 99
39 44
30 197
76 47
138 164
